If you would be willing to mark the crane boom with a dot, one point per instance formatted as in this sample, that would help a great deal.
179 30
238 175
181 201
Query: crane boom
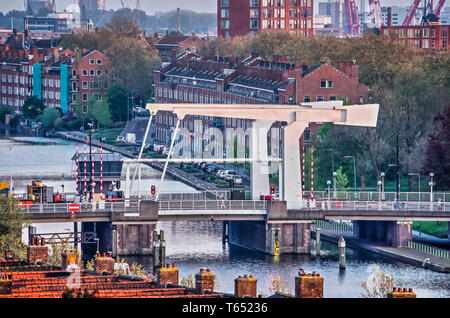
351 17
411 13
439 7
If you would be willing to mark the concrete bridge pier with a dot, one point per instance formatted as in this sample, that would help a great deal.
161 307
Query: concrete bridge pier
283 232
391 233
104 236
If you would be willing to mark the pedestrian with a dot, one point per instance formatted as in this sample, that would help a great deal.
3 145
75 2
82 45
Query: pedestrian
440 205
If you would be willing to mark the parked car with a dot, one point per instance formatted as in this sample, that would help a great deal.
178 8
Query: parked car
227 174
237 179
219 173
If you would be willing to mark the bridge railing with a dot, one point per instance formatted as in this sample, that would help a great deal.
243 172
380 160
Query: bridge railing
188 196
384 196
123 206
215 205
334 226
428 249
381 206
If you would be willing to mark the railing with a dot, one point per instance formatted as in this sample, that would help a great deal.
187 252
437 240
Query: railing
188 196
124 206
384 196
333 226
214 205
380 206
428 249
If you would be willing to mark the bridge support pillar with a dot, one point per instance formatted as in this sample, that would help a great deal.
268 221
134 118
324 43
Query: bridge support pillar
398 233
135 239
104 235
290 238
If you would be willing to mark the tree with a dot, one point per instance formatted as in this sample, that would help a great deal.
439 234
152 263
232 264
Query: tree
438 152
11 222
100 112
117 99
49 118
4 110
32 107
378 284
341 180
123 25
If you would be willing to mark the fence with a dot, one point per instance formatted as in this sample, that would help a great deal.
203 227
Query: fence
428 249
220 205
82 207
382 206
333 226
384 196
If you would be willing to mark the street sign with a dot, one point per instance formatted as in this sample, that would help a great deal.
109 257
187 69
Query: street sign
72 215
74 207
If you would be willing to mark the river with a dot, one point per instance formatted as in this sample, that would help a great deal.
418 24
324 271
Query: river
192 245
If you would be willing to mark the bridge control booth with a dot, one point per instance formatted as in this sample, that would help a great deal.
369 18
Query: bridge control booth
110 171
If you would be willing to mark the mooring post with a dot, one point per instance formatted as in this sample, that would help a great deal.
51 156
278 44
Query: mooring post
341 245
162 248
156 259
318 241
114 244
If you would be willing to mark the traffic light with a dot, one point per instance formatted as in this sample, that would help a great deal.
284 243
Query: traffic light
272 189
72 215
118 184
153 190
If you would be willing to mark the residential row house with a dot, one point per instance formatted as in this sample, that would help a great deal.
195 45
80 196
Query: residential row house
60 78
254 80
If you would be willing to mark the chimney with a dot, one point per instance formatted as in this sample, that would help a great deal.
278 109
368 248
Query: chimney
178 21
204 280
69 260
389 19
402 293
245 287
354 70
308 285
104 264
283 59
37 251
167 275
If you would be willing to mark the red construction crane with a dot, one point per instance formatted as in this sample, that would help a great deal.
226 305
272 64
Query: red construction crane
352 26
375 12
411 13
440 5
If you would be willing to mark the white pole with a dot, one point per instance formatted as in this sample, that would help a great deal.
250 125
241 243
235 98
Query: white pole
175 133
142 147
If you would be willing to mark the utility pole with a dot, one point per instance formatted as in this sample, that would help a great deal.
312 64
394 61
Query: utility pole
90 156
398 175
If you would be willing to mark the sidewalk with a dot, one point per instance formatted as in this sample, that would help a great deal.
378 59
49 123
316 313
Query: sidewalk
403 254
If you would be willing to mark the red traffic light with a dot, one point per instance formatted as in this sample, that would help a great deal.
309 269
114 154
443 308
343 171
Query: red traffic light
272 189
72 215
153 189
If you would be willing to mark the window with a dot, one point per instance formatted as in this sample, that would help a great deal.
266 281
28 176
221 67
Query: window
85 85
319 98
99 62
254 3
307 99
85 97
91 72
326 84
254 13
85 109
254 24
74 72
307 135
332 97
225 3
85 73
92 62
99 72
225 24
224 13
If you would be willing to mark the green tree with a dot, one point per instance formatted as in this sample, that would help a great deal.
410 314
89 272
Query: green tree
32 107
100 112
341 180
11 221
49 118
4 110
117 99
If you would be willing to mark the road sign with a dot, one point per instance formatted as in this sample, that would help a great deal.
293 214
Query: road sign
74 207
72 215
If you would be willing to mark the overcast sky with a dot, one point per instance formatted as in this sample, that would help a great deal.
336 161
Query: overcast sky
152 6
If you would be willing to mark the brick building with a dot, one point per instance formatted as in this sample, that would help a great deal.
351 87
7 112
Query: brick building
193 79
236 17
55 76
432 37
85 80
168 43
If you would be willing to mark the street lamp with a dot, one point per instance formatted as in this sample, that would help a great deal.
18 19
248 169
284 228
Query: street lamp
382 184
354 169
334 184
431 186
328 184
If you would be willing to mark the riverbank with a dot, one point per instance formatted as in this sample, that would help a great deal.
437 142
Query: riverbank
402 254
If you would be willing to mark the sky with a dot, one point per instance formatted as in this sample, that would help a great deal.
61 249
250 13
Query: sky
152 6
